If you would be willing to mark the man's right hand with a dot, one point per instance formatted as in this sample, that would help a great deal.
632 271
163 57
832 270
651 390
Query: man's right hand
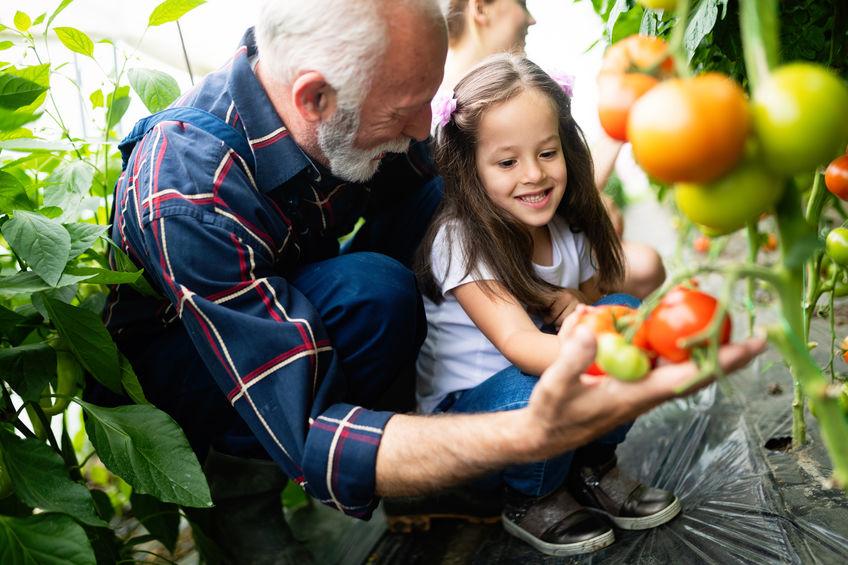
568 407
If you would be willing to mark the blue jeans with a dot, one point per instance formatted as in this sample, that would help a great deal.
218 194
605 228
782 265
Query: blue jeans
510 389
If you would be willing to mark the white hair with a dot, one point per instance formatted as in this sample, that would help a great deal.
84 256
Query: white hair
342 39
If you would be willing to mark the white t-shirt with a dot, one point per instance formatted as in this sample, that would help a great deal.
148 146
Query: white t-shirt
456 355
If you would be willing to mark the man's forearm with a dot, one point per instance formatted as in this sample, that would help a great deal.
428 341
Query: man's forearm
420 454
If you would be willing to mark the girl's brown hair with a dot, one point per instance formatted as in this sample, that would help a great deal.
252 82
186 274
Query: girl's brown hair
489 234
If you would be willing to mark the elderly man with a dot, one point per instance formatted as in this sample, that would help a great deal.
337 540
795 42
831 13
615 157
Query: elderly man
265 341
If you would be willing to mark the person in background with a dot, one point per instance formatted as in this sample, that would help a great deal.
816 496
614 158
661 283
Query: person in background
479 28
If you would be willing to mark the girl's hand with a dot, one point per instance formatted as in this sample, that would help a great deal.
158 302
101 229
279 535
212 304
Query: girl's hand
567 299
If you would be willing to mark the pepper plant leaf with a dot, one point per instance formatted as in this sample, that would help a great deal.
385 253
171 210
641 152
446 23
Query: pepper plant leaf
44 245
46 539
171 11
145 447
156 89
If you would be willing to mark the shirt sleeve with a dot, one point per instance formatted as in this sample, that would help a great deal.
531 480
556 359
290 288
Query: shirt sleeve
449 263
261 339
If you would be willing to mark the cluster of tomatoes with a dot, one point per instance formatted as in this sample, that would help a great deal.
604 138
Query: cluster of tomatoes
725 154
682 313
836 244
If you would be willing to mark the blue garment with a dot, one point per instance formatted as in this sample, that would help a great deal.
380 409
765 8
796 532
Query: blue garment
264 339
510 389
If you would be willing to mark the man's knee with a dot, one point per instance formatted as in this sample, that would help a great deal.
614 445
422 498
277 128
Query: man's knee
387 298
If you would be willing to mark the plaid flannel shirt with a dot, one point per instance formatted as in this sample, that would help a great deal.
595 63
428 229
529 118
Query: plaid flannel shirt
217 240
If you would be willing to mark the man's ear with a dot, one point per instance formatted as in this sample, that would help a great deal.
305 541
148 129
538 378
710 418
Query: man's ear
314 98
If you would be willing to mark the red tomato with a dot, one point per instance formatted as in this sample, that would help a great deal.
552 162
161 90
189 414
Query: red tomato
681 313
836 177
638 53
770 244
616 95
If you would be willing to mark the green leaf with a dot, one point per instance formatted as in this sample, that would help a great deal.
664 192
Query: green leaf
129 380
117 104
104 276
41 480
34 144
45 539
145 447
67 186
16 92
13 120
12 194
56 12
89 341
125 264
156 89
28 368
161 519
172 10
75 40
44 245
83 236
5 45
39 19
96 98
700 25
16 133
22 21
9 320
28 283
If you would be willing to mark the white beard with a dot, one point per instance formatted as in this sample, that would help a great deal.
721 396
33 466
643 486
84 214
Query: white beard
335 139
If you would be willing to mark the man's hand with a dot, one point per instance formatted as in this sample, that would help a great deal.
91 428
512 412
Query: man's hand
567 300
569 408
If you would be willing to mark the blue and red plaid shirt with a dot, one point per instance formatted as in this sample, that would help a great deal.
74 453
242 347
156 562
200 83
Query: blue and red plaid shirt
218 240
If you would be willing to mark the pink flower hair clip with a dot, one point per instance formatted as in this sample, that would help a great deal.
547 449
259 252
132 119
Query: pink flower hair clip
443 106
565 82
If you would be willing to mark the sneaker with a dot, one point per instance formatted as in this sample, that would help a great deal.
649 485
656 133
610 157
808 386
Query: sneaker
555 524
627 503
415 513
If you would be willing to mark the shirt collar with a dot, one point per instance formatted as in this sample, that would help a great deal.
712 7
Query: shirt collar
278 157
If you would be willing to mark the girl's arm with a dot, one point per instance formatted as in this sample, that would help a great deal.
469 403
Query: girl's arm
508 326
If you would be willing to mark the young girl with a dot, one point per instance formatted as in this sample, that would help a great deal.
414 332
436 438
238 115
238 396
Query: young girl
522 238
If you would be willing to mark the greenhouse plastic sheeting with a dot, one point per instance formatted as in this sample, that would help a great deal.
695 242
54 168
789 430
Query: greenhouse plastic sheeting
742 502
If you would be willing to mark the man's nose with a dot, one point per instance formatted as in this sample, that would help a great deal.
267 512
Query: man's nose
418 127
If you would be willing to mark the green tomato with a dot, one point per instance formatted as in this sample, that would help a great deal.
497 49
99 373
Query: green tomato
801 117
659 4
836 246
727 204
620 359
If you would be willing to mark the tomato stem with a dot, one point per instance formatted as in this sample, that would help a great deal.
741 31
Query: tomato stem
758 23
676 44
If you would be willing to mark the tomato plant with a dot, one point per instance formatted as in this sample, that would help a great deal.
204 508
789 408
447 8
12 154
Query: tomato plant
729 203
675 128
682 313
800 114
836 177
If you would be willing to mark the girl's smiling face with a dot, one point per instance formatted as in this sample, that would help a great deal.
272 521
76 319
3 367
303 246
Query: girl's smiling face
520 159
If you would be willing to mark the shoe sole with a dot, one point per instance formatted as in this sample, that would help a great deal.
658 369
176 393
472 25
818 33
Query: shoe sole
644 522
559 549
421 522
